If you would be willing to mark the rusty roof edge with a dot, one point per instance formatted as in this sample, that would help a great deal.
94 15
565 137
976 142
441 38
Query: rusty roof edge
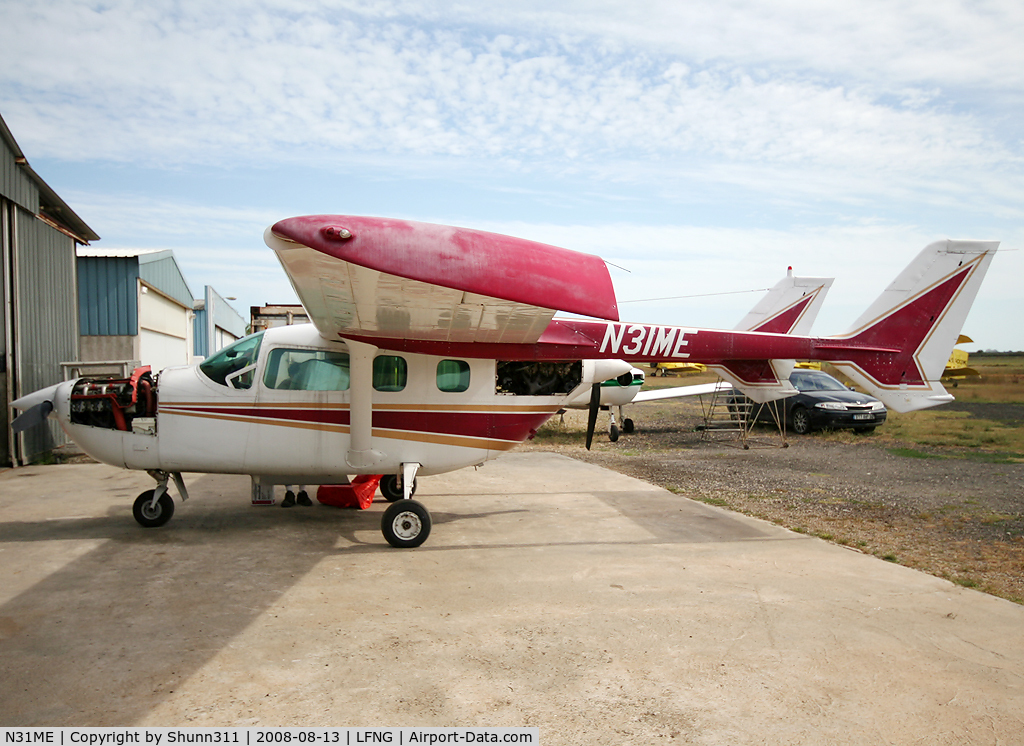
54 209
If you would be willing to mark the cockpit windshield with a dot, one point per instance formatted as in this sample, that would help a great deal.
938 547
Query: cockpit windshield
224 366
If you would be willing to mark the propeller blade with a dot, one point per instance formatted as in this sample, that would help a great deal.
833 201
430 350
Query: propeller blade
32 416
595 406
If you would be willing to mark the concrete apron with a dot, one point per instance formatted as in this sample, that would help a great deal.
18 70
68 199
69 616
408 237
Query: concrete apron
551 593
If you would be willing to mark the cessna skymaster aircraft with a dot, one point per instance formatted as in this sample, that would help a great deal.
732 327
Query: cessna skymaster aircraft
434 348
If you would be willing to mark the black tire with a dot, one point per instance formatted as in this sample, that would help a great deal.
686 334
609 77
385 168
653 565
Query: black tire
155 516
627 426
391 491
613 433
406 524
800 421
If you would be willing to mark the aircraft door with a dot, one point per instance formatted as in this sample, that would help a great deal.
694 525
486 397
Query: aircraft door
303 407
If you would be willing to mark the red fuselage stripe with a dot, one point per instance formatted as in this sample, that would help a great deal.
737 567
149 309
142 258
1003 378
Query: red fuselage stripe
497 425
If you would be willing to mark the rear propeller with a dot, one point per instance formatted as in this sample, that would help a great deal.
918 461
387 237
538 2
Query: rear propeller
595 407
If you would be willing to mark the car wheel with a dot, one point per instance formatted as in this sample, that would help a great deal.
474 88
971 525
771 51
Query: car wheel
800 420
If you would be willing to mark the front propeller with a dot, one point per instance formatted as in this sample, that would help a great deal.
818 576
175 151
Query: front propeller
35 408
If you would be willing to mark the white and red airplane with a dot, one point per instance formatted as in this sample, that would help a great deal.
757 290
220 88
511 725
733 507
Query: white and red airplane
433 348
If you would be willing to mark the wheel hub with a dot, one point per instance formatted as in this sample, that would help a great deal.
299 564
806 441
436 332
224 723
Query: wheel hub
407 525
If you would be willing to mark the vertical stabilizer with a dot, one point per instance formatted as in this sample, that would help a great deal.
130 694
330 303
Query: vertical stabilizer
913 325
789 307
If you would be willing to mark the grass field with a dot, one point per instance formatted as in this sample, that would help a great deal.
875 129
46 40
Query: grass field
970 435
996 438
1001 380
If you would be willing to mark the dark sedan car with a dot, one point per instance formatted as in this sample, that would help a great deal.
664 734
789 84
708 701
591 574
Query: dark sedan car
824 403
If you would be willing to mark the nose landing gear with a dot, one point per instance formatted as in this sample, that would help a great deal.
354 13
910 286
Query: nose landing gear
153 508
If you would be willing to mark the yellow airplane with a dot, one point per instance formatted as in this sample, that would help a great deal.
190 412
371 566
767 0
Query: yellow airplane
956 366
663 369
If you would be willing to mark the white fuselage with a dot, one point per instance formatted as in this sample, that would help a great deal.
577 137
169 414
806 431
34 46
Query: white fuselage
440 413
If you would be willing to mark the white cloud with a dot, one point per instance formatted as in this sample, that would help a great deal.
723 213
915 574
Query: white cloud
138 82
843 127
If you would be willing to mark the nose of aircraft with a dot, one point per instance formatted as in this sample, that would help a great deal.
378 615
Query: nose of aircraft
35 408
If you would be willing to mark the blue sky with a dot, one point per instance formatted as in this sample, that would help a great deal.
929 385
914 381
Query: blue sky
700 147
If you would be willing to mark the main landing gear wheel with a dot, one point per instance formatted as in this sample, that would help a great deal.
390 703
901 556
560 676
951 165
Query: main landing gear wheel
406 524
149 515
391 491
627 426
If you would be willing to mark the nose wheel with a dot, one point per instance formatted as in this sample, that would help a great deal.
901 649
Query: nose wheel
152 513
406 524
153 508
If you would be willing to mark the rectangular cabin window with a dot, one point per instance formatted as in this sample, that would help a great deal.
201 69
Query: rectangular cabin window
453 376
537 379
390 373
307 370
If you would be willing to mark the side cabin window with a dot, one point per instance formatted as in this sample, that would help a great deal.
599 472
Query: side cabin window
452 376
537 379
307 370
390 373
234 365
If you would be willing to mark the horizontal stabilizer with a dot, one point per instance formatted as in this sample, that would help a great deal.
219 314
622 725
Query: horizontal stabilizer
678 392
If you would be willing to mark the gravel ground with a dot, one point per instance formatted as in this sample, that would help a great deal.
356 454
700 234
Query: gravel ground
952 517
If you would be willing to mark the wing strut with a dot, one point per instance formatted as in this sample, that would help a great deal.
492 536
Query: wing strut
360 453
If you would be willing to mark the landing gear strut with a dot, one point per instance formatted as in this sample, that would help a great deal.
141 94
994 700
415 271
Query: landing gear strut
153 508
613 428
391 488
406 523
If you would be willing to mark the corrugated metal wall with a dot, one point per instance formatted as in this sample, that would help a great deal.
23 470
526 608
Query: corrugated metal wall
200 334
162 272
6 238
15 185
47 315
108 302
225 318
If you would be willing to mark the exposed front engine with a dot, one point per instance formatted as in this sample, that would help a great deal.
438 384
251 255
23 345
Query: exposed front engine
114 403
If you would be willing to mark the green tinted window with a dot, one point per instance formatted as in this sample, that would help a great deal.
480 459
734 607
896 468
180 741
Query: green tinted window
390 373
307 370
222 367
453 375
